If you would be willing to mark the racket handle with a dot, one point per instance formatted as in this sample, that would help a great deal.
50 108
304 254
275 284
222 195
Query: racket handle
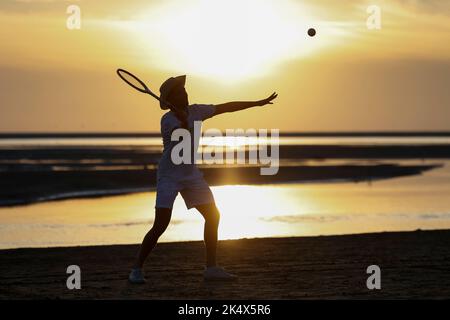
159 99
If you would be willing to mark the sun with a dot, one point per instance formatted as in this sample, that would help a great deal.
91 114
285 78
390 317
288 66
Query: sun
228 39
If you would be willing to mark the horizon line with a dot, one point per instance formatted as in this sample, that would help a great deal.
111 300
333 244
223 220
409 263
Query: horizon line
421 133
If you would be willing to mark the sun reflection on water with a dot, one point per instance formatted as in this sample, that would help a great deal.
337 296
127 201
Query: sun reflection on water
246 212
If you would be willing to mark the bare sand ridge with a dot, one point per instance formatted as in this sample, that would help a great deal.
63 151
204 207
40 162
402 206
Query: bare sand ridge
413 265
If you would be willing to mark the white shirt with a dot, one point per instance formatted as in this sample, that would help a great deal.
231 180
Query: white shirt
170 122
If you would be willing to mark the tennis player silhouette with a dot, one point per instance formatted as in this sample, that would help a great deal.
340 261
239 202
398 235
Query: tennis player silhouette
186 178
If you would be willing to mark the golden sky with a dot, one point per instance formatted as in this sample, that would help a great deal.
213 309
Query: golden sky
346 78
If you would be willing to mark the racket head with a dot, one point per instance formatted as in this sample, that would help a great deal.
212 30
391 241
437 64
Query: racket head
133 81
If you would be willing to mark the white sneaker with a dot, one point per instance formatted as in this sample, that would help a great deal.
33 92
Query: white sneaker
217 273
136 276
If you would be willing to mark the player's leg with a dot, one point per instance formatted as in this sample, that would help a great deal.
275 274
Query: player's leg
162 219
165 196
212 218
197 194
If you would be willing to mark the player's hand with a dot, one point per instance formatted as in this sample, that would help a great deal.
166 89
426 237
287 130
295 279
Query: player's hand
268 100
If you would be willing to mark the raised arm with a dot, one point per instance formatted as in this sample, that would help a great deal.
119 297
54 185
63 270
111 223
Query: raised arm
241 105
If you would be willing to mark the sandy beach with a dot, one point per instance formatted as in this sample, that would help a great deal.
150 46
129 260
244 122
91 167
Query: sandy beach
413 265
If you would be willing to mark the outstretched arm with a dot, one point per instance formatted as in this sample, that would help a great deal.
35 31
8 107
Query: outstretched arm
241 105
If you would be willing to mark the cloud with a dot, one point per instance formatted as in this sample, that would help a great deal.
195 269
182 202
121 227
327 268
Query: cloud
330 9
97 8
431 216
420 216
428 6
33 6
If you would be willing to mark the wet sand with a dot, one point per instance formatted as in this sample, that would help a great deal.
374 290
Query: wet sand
413 265
26 187
30 174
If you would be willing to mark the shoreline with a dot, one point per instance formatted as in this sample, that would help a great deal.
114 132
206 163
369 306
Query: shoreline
337 235
414 265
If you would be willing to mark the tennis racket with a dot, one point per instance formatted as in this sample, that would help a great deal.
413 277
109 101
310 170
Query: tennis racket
137 84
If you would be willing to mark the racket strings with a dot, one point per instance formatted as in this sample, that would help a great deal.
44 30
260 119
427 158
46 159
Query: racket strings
139 85
132 80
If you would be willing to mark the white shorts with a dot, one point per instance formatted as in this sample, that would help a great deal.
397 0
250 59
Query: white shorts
194 192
